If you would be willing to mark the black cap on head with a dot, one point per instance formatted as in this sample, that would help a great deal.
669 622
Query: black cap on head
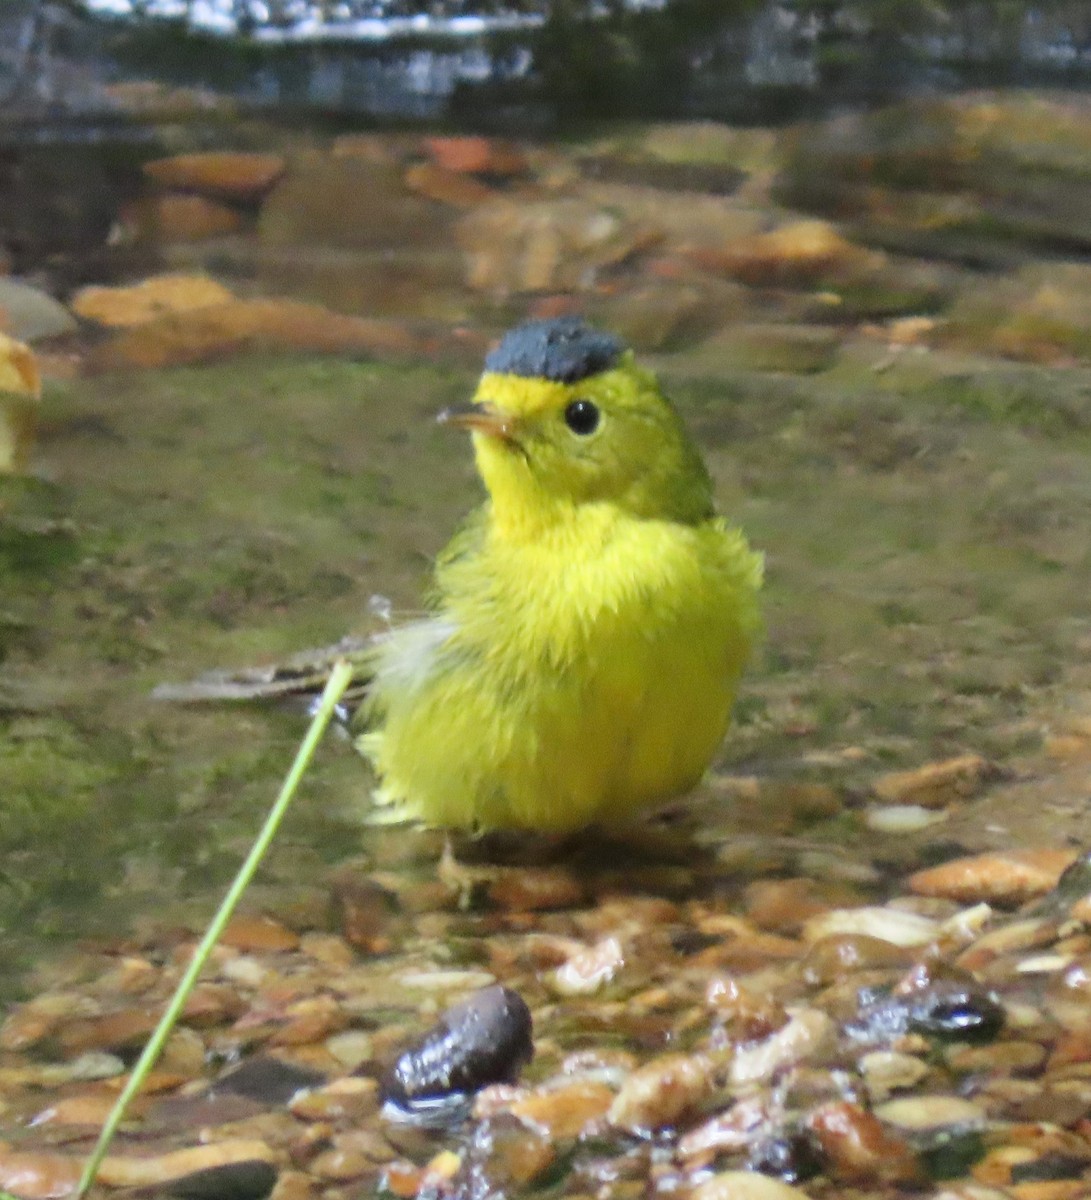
564 350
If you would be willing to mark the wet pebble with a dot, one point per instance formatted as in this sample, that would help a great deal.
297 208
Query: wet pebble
527 889
310 1020
1004 877
258 933
944 1009
504 1157
589 968
484 1039
241 1158
893 925
661 1092
745 1185
901 818
38 1175
831 958
915 1113
348 1099
792 1154
27 1024
1003 1058
351 1048
807 1036
858 1149
367 912
565 1111
936 784
887 1071
266 1079
782 905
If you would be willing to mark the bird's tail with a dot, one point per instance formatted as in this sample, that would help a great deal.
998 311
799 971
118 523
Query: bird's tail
300 678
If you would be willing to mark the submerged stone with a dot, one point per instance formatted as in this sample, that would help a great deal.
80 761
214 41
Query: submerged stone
484 1039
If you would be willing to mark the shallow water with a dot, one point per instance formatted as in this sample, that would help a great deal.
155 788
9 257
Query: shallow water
926 597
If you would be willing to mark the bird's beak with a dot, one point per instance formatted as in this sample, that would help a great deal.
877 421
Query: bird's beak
479 418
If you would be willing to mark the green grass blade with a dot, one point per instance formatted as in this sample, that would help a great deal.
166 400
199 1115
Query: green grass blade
339 679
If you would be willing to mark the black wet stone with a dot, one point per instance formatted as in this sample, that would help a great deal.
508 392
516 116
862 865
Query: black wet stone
949 1153
564 350
790 1154
484 1039
944 1010
252 1179
1048 1167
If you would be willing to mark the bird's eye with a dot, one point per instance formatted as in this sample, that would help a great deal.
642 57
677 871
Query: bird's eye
582 417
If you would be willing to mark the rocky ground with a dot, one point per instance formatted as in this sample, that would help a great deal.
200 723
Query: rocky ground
854 963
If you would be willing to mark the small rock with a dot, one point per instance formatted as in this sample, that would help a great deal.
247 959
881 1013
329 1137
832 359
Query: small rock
476 156
529 889
181 217
736 1128
589 968
327 949
807 1036
1003 1058
783 905
887 1071
126 1029
259 933
484 1039
544 245
947 1009
787 1152
312 1019
38 1175
565 1112
918 1113
218 330
858 1149
446 186
318 204
747 1016
893 925
91 1108
266 1079
797 254
504 1158
121 307
745 1185
231 176
366 911
661 1093
31 315
937 784
249 1163
1003 877
348 1099
832 957
901 818
351 1048
340 1164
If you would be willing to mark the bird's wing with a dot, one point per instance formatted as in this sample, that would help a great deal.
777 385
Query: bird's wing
303 674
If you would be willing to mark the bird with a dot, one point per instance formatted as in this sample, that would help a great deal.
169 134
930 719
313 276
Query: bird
586 627
589 622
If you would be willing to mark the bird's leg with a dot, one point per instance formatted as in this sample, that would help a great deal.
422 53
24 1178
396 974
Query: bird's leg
466 879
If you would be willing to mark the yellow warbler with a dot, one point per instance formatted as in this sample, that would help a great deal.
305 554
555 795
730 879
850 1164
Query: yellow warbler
589 622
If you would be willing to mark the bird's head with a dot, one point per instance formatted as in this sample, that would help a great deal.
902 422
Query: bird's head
563 416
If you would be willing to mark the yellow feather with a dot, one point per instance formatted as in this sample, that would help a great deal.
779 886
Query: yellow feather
590 628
